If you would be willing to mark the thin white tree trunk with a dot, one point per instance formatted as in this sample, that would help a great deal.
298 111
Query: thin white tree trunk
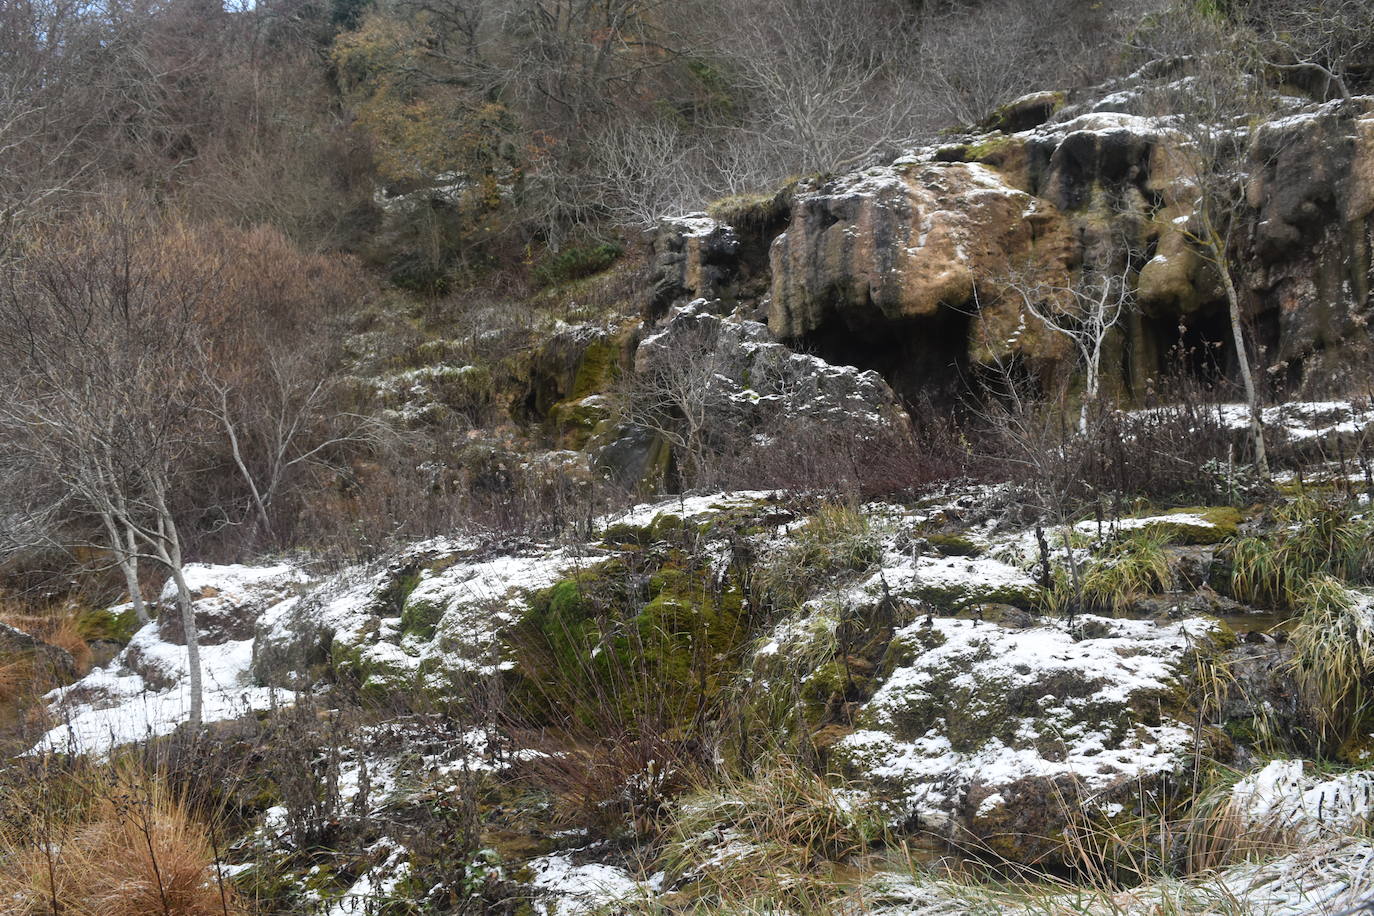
188 623
131 577
168 546
1247 378
125 551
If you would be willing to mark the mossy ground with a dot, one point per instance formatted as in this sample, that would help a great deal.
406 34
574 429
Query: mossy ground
103 624
618 632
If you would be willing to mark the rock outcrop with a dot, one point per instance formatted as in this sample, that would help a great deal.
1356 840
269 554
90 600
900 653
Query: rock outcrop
895 266
745 390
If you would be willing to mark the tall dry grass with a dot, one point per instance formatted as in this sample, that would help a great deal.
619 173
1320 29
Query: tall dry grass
57 627
111 841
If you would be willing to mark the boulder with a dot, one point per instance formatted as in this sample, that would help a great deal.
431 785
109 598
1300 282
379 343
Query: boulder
228 600
52 660
996 738
753 389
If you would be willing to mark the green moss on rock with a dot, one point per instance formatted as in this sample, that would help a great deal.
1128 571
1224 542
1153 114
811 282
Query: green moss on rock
98 624
951 545
651 631
1221 524
421 618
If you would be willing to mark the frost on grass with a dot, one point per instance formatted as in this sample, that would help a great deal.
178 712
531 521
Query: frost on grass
1322 880
978 718
1283 800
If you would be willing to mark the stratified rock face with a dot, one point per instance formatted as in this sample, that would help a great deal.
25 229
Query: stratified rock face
896 255
899 242
1307 256
694 256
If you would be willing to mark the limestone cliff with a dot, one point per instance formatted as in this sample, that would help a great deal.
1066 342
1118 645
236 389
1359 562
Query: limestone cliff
898 268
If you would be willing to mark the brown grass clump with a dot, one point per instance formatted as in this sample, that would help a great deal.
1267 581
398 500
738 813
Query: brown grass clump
15 675
57 627
129 847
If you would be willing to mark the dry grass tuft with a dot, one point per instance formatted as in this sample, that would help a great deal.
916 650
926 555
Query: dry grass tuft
130 848
56 627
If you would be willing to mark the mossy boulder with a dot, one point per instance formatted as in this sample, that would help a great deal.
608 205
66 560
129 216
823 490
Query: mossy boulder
664 526
1198 525
952 583
574 422
378 671
648 633
978 729
107 624
420 617
952 545
1025 112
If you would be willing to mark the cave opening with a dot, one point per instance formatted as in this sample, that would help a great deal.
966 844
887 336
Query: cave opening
924 358
1195 348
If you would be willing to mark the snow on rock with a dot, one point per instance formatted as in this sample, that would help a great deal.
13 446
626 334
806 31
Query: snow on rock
228 599
694 225
1284 801
1012 724
1301 421
145 692
566 889
953 582
437 608
687 508
376 885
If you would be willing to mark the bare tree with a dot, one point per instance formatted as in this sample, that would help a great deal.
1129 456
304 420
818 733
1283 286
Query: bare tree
94 329
287 418
1331 40
1084 312
646 171
672 392
1205 147
828 83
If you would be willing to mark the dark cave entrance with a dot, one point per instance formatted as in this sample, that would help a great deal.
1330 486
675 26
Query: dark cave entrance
1195 348
924 358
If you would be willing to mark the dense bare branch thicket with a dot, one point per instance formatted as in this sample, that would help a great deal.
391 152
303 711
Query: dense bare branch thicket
98 324
171 387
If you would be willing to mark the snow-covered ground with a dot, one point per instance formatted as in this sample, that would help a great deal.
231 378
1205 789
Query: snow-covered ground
123 708
144 692
567 889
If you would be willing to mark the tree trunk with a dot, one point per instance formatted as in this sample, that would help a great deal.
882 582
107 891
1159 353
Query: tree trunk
1243 360
1089 396
131 578
188 623
125 549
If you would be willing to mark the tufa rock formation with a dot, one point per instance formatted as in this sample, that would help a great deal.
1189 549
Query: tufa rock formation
902 268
